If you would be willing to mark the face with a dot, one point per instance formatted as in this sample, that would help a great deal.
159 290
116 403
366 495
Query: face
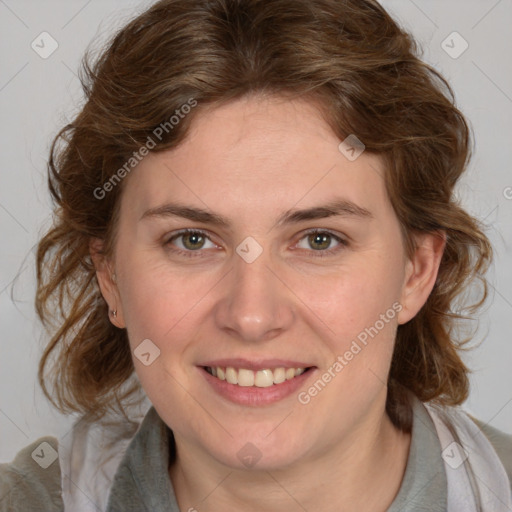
256 247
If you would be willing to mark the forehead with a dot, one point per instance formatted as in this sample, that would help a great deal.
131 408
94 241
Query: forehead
254 153
266 133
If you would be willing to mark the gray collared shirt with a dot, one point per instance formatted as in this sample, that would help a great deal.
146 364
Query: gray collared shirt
141 482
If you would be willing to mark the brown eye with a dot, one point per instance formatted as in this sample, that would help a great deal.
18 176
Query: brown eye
190 241
193 241
319 241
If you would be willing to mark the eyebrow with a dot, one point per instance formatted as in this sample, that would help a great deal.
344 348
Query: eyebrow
335 208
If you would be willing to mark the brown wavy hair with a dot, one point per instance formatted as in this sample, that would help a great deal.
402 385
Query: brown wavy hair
365 73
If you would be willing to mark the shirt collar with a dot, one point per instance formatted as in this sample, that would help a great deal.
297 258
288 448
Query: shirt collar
424 486
142 479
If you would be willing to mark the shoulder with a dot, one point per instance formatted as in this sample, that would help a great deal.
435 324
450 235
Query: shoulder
73 472
32 481
501 442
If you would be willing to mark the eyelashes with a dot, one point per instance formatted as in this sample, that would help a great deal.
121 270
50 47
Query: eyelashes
317 236
193 243
194 236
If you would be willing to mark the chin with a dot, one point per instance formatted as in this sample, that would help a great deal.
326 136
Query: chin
257 453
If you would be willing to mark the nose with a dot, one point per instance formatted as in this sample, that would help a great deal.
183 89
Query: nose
256 304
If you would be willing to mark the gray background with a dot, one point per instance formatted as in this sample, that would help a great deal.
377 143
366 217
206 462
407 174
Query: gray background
37 96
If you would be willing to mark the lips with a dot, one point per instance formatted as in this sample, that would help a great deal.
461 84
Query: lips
252 383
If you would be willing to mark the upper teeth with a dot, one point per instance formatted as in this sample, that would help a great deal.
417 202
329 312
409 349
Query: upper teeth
261 378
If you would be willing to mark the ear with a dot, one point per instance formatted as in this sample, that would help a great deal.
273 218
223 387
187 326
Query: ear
421 273
107 281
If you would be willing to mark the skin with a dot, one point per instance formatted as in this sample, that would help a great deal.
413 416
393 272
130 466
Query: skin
250 161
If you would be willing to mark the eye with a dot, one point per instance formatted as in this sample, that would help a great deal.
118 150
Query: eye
321 242
190 241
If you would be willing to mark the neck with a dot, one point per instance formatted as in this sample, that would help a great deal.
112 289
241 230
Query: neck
361 473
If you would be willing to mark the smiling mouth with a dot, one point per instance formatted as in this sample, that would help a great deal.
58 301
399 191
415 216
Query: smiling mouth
261 378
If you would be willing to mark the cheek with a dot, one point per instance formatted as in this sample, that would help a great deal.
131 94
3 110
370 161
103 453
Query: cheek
167 305
160 307
351 299
155 303
356 312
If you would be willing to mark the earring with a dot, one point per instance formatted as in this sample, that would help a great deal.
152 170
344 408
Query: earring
113 312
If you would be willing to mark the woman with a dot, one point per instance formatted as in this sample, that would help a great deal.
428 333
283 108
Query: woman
255 226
